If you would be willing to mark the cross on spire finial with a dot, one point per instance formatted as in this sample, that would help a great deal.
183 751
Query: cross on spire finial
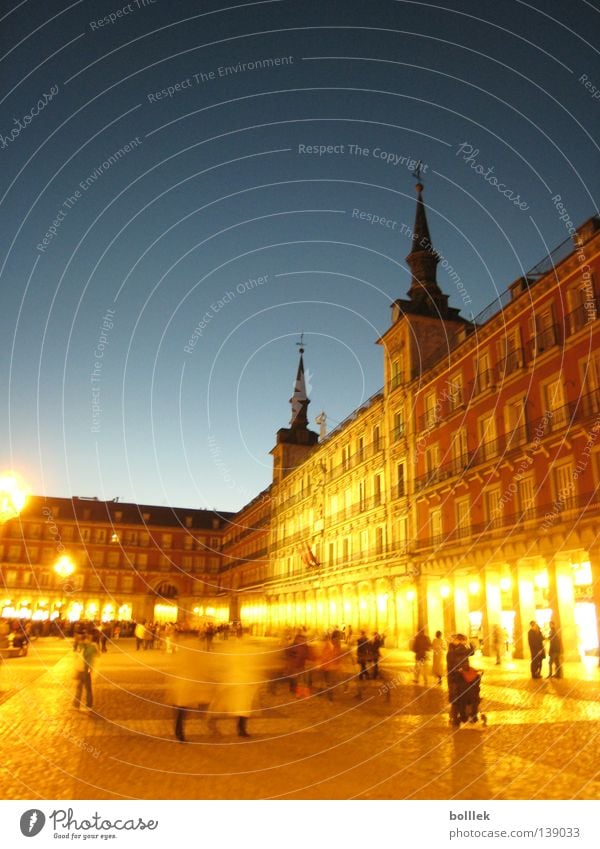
301 343
417 171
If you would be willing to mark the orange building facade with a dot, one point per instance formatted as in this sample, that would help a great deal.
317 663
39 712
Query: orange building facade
463 496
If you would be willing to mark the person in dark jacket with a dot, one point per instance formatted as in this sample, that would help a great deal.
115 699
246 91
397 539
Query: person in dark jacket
536 647
457 659
421 645
555 651
362 655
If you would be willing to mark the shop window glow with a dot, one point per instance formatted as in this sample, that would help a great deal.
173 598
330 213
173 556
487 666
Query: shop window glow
541 580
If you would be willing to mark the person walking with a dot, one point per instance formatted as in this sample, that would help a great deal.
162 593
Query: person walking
85 661
191 683
421 646
536 648
362 655
498 643
439 648
140 635
555 651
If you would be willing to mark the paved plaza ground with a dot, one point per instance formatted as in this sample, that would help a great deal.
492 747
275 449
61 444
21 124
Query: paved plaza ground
542 740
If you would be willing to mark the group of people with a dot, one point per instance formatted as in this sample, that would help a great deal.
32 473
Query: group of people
537 649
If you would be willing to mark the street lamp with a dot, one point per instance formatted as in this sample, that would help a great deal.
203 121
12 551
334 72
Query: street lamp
64 566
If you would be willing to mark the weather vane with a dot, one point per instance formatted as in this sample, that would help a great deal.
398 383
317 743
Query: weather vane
301 343
417 175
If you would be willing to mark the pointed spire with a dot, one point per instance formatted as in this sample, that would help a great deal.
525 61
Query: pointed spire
299 399
424 291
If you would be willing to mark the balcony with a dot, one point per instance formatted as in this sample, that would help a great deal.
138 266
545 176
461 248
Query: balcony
516 522
544 340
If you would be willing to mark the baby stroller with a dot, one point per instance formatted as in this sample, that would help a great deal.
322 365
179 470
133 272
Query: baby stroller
465 696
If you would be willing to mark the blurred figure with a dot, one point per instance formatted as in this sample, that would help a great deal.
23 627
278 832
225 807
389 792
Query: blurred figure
457 661
375 647
140 632
332 658
362 655
555 651
191 684
297 655
439 648
85 663
536 647
498 643
421 646
242 666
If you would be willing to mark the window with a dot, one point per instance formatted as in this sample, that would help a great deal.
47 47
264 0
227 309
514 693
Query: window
131 537
48 555
398 425
435 525
362 494
379 531
459 449
463 517
113 558
400 480
544 332
14 553
402 533
510 353
127 583
493 507
67 532
364 542
361 449
98 558
582 305
554 400
431 413
526 492
590 381
432 459
455 392
99 534
141 560
346 549
189 521
377 446
35 531
118 515
167 540
187 562
515 426
484 377
188 542
85 534
346 457
564 487
110 582
144 539
377 489
488 436
397 376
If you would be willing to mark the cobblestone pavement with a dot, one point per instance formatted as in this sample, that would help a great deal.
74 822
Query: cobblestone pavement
541 742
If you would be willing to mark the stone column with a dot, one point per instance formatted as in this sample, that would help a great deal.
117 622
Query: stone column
562 604
594 558
523 599
492 606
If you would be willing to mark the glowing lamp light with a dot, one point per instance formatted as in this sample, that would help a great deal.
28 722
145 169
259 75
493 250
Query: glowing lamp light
474 587
64 566
541 580
382 602
12 496
347 606
505 584
410 595
444 590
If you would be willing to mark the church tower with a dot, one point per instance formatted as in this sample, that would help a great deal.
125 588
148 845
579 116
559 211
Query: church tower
296 442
